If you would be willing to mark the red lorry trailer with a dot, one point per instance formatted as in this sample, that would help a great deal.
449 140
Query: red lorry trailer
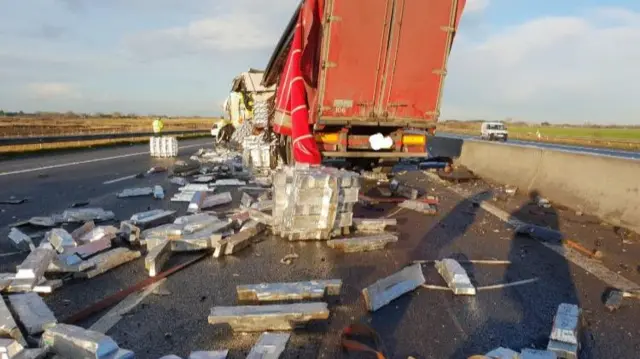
369 67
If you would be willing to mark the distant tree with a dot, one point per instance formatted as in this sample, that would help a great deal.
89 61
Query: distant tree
545 124
1 112
116 114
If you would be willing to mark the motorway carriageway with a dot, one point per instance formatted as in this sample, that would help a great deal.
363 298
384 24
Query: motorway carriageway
554 146
424 324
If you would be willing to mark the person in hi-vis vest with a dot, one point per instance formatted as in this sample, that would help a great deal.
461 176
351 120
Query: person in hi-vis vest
158 125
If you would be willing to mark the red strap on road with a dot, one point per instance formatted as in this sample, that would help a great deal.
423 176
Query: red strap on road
354 345
117 297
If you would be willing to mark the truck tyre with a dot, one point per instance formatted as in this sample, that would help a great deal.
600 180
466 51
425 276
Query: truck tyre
491 138
504 139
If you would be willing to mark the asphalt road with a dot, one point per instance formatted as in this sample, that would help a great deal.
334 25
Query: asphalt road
424 323
553 146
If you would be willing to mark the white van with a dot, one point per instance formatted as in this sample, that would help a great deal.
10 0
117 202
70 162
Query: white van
494 131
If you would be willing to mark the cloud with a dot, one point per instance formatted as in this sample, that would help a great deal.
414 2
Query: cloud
476 5
552 68
52 90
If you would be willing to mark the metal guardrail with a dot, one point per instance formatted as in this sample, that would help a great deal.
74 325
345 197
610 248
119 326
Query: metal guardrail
7 141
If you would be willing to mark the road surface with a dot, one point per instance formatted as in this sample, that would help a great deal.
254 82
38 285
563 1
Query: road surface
553 146
423 324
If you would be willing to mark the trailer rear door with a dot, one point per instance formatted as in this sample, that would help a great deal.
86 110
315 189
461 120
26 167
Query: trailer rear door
416 64
355 44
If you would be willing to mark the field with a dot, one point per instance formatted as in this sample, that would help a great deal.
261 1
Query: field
48 126
624 138
36 126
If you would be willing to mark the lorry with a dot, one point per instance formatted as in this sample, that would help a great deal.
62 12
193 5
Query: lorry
373 71
494 131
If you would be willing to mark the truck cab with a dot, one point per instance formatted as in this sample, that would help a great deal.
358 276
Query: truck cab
494 131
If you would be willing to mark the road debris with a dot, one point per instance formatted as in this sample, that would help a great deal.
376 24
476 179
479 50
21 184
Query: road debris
363 244
157 257
242 239
32 269
81 231
387 289
130 232
269 346
536 354
540 233
99 234
272 292
196 202
507 285
218 354
420 206
87 250
158 192
180 181
106 261
288 259
152 218
20 240
563 339
455 276
8 326
47 286
165 231
87 214
43 221
135 192
466 261
230 182
5 280
614 297
216 200
503 353
203 179
13 201
34 315
74 342
269 317
373 225
60 239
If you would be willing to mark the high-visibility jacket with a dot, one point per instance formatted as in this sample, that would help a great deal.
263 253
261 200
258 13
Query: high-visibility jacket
158 125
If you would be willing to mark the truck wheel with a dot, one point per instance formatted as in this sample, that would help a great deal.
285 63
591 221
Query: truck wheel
491 138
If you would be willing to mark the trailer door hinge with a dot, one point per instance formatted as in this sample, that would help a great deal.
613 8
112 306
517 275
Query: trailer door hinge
447 28
328 64
442 72
332 18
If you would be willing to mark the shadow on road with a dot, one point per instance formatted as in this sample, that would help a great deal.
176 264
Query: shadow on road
527 311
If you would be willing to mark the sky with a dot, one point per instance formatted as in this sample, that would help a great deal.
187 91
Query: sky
569 61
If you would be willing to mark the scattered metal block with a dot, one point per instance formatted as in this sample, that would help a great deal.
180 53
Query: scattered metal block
198 224
135 192
35 264
87 250
74 342
373 225
157 257
566 324
247 200
22 241
536 354
269 346
194 245
269 317
180 181
404 190
9 348
130 232
83 230
32 312
38 353
230 182
8 326
614 297
217 200
563 350
196 202
165 231
100 233
218 354
43 221
503 353
87 214
203 179
242 239
68 264
60 239
152 218
171 356
363 244
106 261
419 206
47 286
387 289
261 217
22 285
265 205
5 280
196 188
158 192
455 276
270 292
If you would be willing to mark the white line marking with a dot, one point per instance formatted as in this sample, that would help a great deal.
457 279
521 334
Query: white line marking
592 266
112 317
9 254
82 162
119 179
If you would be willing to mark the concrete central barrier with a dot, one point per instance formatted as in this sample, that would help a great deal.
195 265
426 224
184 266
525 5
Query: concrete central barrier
607 187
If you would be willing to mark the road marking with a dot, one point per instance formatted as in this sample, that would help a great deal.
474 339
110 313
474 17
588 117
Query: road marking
83 162
119 179
9 254
113 316
590 265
